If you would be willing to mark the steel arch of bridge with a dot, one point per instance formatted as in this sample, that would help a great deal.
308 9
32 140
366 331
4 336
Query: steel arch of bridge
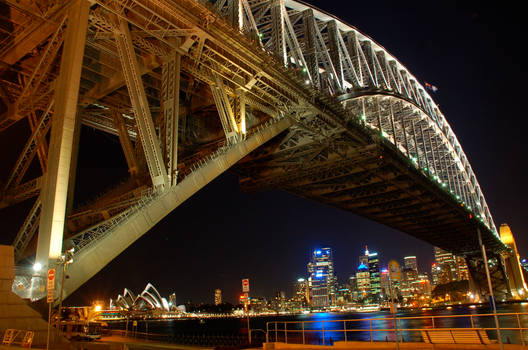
270 66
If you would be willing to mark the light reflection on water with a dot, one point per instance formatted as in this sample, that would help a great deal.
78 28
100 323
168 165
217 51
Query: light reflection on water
313 325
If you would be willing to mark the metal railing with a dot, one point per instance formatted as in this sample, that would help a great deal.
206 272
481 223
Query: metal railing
513 328
199 338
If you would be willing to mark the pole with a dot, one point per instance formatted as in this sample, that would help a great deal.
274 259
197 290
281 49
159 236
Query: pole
490 286
49 321
249 329
393 313
59 317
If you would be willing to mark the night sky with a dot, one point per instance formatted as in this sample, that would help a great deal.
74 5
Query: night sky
472 53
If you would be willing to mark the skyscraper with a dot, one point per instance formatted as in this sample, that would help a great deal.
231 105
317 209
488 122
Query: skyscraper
435 274
384 283
462 268
374 270
448 267
363 281
409 277
410 262
322 279
300 291
218 297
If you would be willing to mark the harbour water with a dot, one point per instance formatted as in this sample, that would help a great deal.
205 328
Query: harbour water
328 327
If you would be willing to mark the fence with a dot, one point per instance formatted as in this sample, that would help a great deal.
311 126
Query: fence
513 328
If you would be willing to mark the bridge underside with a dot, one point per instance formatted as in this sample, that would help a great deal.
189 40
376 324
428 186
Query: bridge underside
368 177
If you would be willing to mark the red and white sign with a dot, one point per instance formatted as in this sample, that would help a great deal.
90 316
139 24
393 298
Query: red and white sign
51 284
245 285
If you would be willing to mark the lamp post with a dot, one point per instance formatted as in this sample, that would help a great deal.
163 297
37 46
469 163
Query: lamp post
64 260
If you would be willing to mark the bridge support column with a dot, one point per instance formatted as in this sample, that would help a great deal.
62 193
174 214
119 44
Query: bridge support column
477 274
55 190
170 74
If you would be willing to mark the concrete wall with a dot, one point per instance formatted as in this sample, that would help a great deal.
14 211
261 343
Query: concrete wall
15 312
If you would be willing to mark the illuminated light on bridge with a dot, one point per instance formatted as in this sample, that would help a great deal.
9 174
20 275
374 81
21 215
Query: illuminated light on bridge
303 101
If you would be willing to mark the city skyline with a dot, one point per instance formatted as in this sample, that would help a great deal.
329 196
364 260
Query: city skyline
325 254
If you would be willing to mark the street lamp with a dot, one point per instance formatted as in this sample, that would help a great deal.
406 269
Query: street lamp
63 260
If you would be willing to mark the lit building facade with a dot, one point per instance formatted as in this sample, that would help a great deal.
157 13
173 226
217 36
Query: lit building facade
374 270
446 261
409 277
322 280
301 292
435 274
218 297
449 267
410 262
363 281
384 284
463 271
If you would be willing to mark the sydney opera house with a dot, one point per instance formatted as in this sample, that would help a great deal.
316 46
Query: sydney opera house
148 299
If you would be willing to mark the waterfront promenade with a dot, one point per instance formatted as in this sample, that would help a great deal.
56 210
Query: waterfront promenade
123 343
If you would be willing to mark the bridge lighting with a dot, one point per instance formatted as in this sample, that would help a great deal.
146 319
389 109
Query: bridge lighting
363 117
304 70
307 82
384 134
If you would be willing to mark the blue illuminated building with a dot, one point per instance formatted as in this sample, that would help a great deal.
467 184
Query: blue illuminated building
322 281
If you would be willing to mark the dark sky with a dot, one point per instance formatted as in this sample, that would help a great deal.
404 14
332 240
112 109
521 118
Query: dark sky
472 53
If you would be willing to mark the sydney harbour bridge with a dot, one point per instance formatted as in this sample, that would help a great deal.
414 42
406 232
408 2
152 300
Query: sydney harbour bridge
282 94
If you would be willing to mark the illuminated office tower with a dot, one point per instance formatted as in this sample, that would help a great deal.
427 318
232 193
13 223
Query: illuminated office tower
448 267
512 264
462 268
374 270
384 283
410 262
300 291
363 281
218 296
409 277
435 274
322 278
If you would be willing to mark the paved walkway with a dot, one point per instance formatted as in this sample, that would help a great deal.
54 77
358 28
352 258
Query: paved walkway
123 343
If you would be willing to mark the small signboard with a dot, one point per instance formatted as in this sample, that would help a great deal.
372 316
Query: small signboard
245 285
51 285
394 270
